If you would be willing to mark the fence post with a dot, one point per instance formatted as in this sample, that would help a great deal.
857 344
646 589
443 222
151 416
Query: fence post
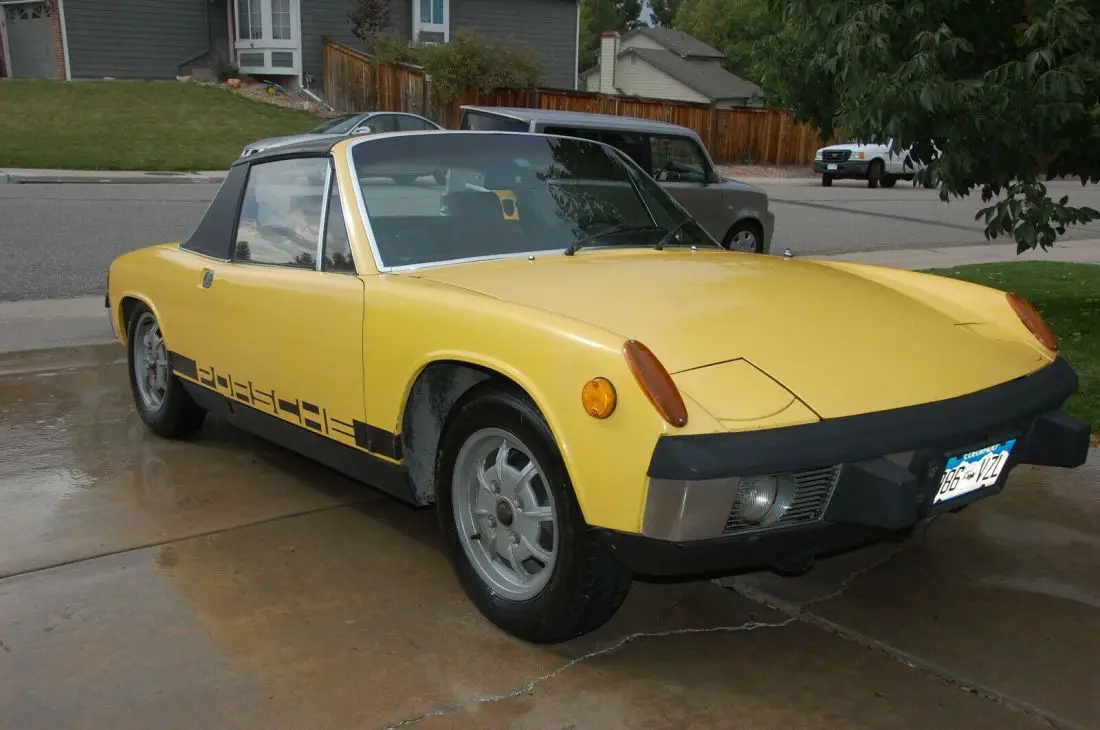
712 128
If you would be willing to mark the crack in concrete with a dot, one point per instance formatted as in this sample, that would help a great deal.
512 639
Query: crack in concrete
629 638
800 612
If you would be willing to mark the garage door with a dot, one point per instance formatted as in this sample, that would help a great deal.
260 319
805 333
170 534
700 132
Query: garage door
28 40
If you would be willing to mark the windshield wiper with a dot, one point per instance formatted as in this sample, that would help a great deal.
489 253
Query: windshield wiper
671 233
617 228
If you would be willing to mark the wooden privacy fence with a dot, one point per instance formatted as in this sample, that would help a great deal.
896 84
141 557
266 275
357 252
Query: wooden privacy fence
354 81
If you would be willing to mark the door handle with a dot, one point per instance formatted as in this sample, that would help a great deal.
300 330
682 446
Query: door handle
207 278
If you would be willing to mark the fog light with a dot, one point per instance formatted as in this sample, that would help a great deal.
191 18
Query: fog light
756 497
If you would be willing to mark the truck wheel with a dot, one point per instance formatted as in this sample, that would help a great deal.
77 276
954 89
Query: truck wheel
163 404
874 173
826 181
512 527
889 181
744 236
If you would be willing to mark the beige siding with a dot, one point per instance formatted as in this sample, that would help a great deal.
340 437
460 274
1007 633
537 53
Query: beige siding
592 81
635 77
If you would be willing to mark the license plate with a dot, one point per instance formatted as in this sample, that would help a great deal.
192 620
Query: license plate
830 167
970 472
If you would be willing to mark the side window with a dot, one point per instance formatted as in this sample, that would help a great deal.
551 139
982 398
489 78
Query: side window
383 123
491 122
280 219
336 255
677 159
407 123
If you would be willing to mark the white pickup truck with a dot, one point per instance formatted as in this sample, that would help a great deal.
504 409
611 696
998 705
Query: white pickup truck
870 161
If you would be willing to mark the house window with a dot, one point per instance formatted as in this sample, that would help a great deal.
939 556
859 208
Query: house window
280 20
431 20
249 20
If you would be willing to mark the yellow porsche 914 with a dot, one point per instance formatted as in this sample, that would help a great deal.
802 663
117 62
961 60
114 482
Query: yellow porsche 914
584 383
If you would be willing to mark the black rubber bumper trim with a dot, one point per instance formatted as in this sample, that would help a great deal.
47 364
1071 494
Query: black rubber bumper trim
843 169
943 425
787 548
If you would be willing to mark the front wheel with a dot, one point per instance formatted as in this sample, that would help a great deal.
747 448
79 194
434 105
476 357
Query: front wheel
744 236
826 181
874 173
889 181
512 527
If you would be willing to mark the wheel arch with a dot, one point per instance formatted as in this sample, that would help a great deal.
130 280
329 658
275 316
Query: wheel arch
429 403
126 304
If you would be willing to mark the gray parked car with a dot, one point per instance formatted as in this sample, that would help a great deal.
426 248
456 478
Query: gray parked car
734 213
357 124
347 126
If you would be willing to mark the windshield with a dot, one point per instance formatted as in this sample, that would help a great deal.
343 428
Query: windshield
455 196
339 125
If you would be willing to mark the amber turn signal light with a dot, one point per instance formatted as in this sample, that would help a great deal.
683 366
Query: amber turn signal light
598 397
1034 321
656 383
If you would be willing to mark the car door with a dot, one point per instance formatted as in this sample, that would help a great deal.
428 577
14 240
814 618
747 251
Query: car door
413 123
287 309
679 166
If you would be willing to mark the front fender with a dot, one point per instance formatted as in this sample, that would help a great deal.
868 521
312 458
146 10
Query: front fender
412 323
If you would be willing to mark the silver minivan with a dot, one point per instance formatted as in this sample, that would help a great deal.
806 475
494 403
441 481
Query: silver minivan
735 214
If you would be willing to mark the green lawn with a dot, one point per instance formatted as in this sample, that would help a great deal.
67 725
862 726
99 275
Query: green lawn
1068 296
132 125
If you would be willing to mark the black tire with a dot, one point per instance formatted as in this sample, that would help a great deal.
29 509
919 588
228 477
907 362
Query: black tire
826 181
745 226
889 181
404 179
874 173
440 177
587 586
177 416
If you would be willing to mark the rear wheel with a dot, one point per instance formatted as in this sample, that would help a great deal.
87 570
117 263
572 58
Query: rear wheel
512 527
163 404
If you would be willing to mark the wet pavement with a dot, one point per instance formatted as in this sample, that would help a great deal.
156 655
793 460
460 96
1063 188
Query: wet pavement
226 583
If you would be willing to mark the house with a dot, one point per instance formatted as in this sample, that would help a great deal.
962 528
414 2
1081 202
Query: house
661 63
278 39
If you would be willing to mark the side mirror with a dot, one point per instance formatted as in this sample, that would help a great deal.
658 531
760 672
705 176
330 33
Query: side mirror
364 129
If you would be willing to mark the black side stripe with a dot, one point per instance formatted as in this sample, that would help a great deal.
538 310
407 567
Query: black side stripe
184 365
310 407
289 406
222 382
377 440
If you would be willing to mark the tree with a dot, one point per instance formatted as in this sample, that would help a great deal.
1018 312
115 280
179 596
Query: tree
731 26
598 16
664 11
368 18
998 95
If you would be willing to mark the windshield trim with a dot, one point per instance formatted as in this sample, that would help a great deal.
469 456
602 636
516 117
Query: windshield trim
382 268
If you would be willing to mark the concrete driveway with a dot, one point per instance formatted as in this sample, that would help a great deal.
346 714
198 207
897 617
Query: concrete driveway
225 583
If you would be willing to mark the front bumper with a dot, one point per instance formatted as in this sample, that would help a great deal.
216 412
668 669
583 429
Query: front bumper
848 169
857 480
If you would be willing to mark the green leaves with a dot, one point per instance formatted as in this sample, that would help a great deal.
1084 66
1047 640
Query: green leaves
1007 91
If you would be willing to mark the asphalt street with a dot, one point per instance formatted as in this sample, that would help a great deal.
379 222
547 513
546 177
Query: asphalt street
59 239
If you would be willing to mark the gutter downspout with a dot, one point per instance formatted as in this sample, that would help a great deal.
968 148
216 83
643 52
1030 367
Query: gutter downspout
318 99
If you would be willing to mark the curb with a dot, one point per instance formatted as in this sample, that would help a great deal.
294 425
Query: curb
104 177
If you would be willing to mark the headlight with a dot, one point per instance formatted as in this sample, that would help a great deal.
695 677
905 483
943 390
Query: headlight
817 155
756 497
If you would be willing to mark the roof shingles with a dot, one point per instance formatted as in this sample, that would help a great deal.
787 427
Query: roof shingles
708 78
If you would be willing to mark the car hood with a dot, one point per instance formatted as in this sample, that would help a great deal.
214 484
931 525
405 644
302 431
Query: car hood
840 342
729 183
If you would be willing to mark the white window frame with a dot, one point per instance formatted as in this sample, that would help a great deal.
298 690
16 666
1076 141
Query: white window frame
418 26
266 44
